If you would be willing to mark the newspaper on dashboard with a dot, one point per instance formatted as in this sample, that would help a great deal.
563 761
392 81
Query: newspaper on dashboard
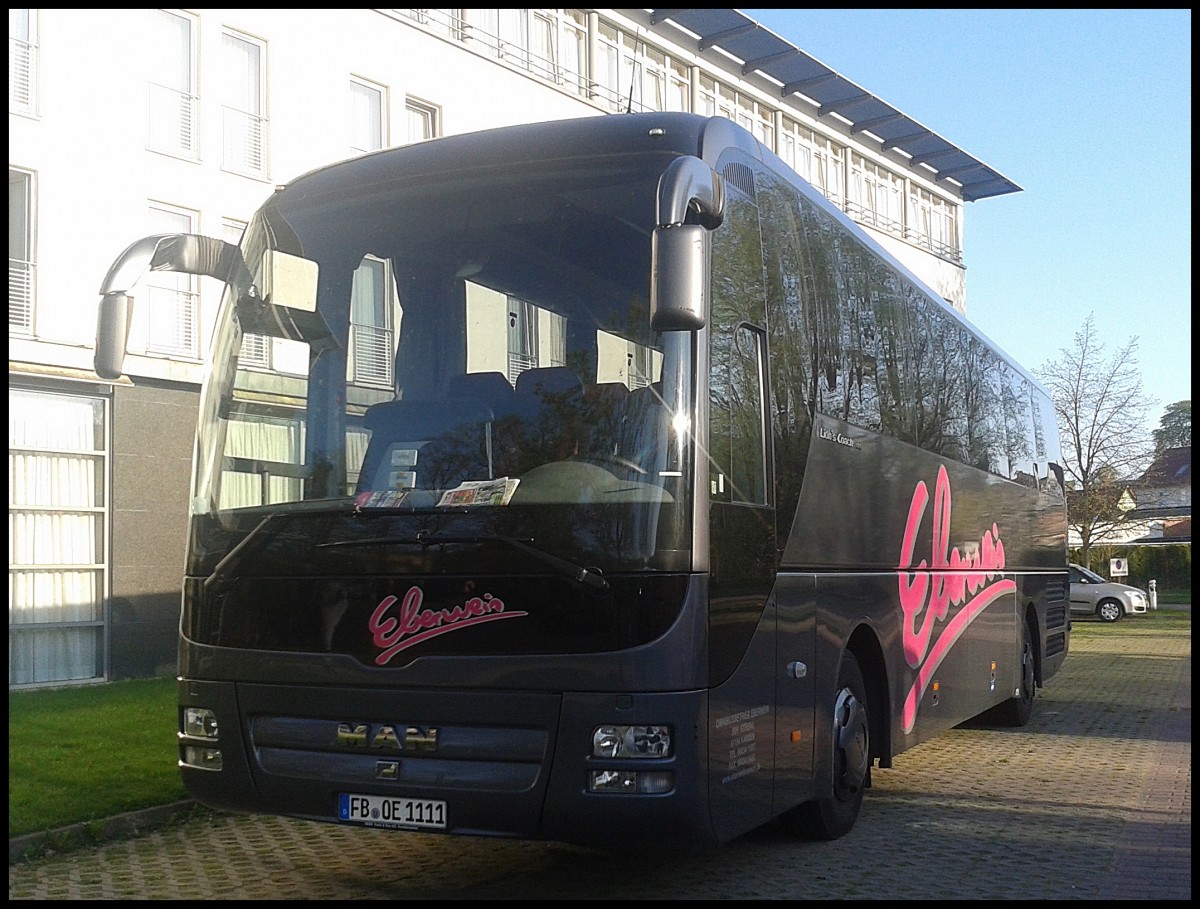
481 492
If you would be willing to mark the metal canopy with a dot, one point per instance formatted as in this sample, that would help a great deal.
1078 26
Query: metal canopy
722 34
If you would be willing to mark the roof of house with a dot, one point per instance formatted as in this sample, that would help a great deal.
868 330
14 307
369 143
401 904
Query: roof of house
1172 467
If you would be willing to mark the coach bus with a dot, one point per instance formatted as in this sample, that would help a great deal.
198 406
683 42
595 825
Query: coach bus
594 481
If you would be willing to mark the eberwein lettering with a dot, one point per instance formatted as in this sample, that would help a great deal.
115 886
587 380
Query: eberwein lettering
949 579
416 625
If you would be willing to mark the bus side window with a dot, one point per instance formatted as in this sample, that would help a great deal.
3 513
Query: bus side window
737 443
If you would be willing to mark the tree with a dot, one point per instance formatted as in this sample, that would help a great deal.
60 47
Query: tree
1101 412
1174 427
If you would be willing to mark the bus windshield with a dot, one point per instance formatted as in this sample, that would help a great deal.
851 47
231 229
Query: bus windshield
469 347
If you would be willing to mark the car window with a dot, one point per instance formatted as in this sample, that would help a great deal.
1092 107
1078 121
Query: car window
1080 575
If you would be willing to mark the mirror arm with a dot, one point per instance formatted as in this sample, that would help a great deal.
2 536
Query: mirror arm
189 254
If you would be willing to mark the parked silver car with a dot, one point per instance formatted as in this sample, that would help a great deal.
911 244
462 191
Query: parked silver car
1107 600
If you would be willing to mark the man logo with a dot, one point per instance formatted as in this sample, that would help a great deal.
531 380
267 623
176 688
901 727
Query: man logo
387 738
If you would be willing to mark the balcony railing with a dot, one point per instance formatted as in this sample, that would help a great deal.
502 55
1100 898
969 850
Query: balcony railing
245 143
173 121
373 352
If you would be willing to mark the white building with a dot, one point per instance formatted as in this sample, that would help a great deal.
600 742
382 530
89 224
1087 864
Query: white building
127 122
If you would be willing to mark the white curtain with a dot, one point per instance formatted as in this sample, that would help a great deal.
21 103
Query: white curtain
55 537
263 439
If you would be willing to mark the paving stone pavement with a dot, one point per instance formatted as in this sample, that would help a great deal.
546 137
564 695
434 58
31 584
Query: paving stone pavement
1092 800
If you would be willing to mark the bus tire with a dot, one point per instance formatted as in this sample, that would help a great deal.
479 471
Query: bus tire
1016 711
834 816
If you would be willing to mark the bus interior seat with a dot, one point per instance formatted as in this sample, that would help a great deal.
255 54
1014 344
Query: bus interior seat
602 412
548 401
427 444
494 390
548 386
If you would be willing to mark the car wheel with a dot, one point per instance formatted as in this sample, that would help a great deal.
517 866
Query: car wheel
1109 610
832 817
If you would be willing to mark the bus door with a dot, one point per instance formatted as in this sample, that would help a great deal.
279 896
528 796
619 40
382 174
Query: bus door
741 525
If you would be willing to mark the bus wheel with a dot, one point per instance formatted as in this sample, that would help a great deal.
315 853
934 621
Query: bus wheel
1016 711
834 816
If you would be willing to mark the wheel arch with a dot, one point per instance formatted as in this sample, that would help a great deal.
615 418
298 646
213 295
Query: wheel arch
1035 634
865 645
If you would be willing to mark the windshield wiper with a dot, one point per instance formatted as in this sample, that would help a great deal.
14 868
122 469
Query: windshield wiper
590 577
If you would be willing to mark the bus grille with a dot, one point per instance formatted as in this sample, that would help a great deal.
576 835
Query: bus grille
449 757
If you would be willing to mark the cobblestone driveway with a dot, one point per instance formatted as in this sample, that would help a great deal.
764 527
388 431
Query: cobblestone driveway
1092 800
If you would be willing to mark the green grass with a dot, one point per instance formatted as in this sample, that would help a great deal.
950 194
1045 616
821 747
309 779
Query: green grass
1157 621
1170 597
87 753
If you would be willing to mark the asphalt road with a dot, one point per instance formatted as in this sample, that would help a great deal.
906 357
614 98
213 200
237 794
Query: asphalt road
1092 800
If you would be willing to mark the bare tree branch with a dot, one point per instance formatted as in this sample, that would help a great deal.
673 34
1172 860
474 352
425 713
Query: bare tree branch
1101 411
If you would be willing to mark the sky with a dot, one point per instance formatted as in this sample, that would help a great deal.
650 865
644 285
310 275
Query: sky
1089 111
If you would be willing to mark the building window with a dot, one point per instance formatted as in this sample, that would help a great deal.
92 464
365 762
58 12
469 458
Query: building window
720 100
245 106
536 337
933 223
173 300
716 100
422 120
630 76
277 439
368 116
445 22
22 61
816 158
173 100
373 345
876 195
559 47
503 33
522 337
21 269
56 542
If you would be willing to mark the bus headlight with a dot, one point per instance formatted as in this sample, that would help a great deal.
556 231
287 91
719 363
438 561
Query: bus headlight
631 741
641 782
199 722
198 738
203 758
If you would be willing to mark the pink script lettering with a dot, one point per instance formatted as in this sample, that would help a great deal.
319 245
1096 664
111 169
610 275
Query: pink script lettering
415 624
929 589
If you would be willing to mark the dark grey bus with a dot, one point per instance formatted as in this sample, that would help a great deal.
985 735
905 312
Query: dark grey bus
594 481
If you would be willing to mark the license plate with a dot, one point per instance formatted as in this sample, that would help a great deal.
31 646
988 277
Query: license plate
389 811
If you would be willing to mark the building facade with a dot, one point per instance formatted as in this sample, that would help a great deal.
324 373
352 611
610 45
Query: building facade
124 123
1157 507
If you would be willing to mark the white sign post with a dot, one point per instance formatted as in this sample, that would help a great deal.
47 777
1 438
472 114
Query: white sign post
1118 568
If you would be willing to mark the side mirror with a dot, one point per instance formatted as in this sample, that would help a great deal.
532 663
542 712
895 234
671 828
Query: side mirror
112 334
189 254
678 286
